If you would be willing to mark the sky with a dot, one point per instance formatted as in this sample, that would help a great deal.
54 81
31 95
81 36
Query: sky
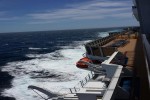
41 15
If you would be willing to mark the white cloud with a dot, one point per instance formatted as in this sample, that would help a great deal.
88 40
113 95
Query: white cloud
4 16
122 15
40 22
89 10
2 13
8 18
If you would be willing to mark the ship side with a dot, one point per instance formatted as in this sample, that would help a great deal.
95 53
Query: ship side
118 65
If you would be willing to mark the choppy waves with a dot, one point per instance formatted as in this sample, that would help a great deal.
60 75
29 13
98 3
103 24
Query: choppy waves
52 71
47 62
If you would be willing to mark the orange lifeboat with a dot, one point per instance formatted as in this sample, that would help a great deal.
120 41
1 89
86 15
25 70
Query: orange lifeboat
81 64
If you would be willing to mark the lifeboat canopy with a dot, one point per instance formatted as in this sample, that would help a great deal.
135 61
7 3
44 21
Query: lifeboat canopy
81 64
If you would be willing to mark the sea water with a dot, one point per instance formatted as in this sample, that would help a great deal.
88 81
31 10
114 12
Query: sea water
45 59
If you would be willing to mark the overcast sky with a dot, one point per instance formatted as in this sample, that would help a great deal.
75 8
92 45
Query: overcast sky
38 15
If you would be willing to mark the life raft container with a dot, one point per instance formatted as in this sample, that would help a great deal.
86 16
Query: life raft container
81 64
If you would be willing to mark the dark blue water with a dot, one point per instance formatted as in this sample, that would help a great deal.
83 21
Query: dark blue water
15 46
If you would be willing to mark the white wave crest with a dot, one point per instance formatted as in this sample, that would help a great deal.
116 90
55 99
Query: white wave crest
31 48
103 34
52 71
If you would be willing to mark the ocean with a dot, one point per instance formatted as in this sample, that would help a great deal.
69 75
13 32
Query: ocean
46 59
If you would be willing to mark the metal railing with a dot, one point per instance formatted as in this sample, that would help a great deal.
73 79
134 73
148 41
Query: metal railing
147 55
77 87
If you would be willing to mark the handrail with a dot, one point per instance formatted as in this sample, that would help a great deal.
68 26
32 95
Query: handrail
147 53
77 87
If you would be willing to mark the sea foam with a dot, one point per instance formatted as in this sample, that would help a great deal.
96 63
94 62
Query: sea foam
52 71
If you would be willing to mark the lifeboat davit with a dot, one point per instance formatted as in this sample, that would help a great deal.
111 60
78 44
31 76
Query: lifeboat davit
81 64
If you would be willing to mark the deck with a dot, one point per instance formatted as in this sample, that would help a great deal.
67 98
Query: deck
128 49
